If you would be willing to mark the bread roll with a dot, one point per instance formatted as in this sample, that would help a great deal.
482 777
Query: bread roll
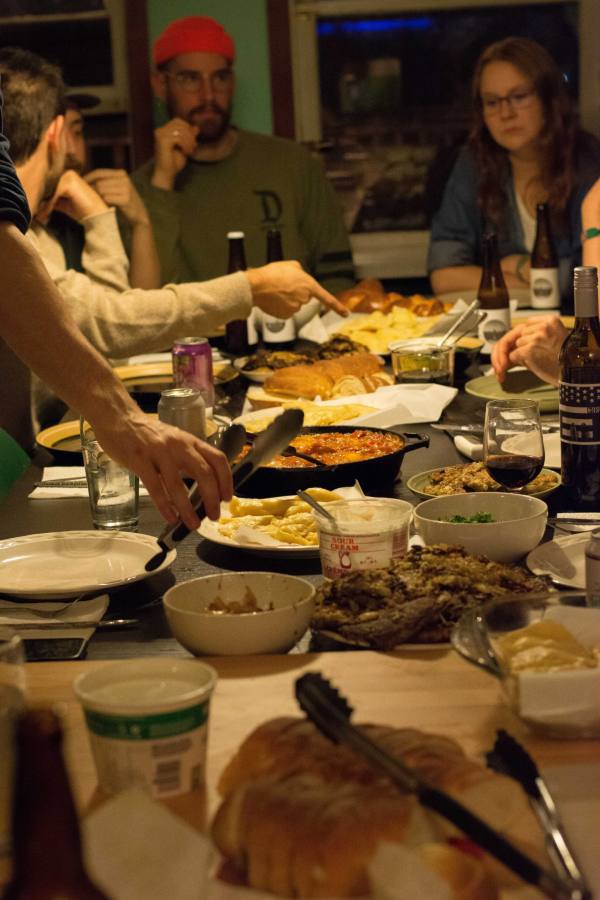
303 817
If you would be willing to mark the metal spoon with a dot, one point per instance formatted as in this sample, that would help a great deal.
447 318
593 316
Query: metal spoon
461 319
315 505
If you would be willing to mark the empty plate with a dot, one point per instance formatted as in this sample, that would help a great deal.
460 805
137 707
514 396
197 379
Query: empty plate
563 559
68 563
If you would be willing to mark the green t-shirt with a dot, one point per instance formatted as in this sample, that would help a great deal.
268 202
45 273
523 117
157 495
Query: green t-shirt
267 182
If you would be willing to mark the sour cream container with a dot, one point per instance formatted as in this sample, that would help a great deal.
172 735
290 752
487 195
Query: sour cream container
364 534
147 720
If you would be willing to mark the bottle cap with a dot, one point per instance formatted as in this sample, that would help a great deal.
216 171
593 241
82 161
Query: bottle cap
232 235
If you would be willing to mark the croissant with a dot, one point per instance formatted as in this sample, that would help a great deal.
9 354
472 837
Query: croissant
303 818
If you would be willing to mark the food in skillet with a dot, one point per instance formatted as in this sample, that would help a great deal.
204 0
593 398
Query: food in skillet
416 600
333 448
474 477
303 817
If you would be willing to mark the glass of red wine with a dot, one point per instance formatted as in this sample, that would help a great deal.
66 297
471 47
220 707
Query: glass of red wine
513 447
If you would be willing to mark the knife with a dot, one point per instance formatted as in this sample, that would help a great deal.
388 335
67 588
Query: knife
43 625
266 445
331 713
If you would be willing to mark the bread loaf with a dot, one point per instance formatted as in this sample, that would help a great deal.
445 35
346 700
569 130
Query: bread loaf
320 378
303 817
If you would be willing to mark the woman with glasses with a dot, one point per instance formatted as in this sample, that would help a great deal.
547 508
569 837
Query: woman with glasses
524 149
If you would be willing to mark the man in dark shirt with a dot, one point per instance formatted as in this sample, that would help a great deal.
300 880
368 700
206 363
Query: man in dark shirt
36 326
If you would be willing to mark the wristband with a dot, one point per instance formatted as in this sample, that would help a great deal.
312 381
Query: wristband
590 233
522 260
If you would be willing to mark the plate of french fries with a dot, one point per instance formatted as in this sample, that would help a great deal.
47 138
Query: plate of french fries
273 525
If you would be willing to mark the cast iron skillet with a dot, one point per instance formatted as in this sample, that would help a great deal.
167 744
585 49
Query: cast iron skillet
376 476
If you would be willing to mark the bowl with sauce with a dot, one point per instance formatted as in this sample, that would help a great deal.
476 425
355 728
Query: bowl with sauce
239 613
545 649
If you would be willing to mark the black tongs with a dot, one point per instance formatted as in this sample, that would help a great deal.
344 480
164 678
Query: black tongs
266 445
331 713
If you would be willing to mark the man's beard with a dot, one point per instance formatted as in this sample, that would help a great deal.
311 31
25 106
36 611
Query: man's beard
210 131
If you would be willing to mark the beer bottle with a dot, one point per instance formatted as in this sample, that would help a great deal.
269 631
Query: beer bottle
492 296
47 857
240 335
277 334
543 278
579 396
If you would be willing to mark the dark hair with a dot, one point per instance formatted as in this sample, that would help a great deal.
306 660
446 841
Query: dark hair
557 140
34 94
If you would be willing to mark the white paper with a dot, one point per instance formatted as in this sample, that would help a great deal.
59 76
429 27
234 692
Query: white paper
54 493
473 448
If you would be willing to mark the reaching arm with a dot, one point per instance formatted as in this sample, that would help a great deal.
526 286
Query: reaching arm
535 344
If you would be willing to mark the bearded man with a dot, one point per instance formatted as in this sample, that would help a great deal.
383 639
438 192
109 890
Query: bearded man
209 177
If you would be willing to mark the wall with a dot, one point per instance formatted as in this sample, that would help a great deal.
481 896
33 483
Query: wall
246 20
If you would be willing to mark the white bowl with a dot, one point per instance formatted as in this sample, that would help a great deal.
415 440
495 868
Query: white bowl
518 526
287 603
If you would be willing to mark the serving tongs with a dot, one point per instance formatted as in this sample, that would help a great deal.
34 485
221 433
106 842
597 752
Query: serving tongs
266 445
510 758
331 713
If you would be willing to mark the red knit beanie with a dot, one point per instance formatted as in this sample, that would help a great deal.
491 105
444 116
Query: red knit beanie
193 34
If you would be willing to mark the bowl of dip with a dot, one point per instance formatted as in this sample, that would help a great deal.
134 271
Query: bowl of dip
239 613
546 652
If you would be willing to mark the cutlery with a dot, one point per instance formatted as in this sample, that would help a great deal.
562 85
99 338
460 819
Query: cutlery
331 713
315 505
61 483
510 758
48 625
266 445
451 428
464 317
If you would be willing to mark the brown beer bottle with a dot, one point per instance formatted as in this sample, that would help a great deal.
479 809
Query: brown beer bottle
47 856
492 296
543 277
277 334
240 334
579 392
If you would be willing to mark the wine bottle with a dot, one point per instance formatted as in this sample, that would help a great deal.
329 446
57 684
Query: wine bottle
579 396
543 277
240 334
47 857
493 296
277 334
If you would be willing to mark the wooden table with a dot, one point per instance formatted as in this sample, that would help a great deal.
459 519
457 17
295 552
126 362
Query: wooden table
431 690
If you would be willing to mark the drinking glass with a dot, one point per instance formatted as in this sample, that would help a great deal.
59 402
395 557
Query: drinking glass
113 490
422 362
12 701
513 447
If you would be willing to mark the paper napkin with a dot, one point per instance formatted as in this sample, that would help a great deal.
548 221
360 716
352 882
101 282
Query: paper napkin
88 612
54 493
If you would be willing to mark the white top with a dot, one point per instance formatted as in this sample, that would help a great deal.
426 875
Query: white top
528 223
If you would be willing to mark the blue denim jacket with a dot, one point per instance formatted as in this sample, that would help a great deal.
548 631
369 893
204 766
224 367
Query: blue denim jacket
458 226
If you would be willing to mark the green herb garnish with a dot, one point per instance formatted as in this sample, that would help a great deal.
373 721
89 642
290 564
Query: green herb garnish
468 520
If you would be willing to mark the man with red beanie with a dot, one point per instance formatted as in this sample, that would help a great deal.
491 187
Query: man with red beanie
209 177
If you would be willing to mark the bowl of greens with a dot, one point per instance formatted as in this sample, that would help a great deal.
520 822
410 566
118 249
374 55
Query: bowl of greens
502 526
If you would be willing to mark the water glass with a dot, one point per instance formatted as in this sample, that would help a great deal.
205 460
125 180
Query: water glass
113 490
422 362
12 701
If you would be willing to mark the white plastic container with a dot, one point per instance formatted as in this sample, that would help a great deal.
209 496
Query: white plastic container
148 723
366 534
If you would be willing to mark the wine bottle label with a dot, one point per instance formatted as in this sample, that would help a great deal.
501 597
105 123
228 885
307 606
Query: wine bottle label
493 327
579 409
275 331
544 289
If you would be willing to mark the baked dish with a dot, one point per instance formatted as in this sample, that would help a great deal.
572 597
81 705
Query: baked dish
357 373
418 599
474 477
333 448
303 817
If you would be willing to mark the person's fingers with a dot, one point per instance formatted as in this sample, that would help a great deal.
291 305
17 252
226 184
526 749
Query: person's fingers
152 481
327 299
220 467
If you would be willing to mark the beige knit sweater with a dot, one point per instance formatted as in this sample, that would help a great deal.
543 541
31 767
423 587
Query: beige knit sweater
122 321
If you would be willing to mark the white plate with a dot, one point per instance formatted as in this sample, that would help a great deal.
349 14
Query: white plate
209 530
68 563
563 559
256 377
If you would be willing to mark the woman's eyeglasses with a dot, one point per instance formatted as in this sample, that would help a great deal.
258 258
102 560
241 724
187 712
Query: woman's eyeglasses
516 100
193 81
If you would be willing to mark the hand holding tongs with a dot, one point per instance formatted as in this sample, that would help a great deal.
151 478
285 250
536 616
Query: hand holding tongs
331 713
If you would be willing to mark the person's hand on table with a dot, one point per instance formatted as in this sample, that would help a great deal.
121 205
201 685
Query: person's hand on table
162 456
174 143
535 344
281 288
116 189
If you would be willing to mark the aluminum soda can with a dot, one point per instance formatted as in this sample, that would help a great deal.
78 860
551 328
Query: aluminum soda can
192 366
183 407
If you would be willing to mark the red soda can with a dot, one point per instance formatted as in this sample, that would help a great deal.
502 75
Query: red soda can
192 366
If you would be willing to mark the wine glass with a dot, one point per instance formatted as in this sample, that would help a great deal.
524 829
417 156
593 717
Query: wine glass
513 447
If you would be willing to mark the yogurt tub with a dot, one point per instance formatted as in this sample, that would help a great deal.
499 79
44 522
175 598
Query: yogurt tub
148 723
366 534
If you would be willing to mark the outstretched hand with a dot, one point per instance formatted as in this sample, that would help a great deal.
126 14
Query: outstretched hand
281 288
535 344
